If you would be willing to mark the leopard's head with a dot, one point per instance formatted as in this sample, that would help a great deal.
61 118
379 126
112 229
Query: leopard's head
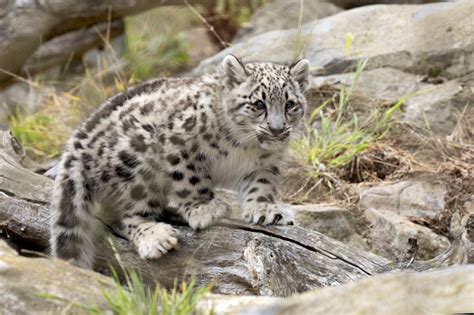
264 102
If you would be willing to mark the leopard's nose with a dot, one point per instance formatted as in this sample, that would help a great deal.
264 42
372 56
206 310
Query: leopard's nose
276 130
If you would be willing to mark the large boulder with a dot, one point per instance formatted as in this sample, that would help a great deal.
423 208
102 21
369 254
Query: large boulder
413 198
284 14
392 208
47 286
444 291
438 108
431 39
332 221
436 102
389 235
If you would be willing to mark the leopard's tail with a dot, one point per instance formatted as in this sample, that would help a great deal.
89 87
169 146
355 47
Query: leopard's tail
73 224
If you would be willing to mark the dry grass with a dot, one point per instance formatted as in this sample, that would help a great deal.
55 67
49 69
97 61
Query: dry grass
44 132
338 132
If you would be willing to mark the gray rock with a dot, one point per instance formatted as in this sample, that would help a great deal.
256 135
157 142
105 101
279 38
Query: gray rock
220 304
23 281
284 14
438 108
389 233
420 199
430 39
382 84
329 220
386 231
445 291
438 105
199 45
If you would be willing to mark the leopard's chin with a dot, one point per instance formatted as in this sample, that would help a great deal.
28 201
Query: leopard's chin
273 144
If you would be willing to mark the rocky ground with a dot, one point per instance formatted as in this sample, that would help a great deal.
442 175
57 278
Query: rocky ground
391 232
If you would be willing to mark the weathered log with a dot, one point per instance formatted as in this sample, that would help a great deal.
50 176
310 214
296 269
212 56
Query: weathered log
60 49
236 258
25 25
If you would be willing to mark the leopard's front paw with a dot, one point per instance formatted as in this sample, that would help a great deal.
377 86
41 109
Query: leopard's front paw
205 215
268 213
155 240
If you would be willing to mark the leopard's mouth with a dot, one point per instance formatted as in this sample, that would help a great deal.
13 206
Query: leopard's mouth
272 143
271 138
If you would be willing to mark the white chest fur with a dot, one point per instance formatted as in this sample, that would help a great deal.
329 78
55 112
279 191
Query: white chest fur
227 172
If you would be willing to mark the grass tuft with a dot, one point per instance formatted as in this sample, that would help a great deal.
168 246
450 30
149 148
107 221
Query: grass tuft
31 129
334 138
43 133
136 298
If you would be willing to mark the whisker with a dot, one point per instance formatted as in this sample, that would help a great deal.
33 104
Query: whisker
248 138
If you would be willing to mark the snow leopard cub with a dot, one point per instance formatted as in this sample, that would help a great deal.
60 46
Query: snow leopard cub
165 144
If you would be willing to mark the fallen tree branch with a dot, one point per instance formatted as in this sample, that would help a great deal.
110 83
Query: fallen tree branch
73 44
25 25
235 257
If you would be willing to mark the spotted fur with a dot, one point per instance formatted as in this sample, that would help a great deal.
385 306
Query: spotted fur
166 144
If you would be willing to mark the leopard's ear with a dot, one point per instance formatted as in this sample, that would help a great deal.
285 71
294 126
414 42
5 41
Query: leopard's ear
300 72
234 70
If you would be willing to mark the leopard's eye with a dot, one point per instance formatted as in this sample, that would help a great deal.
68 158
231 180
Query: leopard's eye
290 105
259 105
